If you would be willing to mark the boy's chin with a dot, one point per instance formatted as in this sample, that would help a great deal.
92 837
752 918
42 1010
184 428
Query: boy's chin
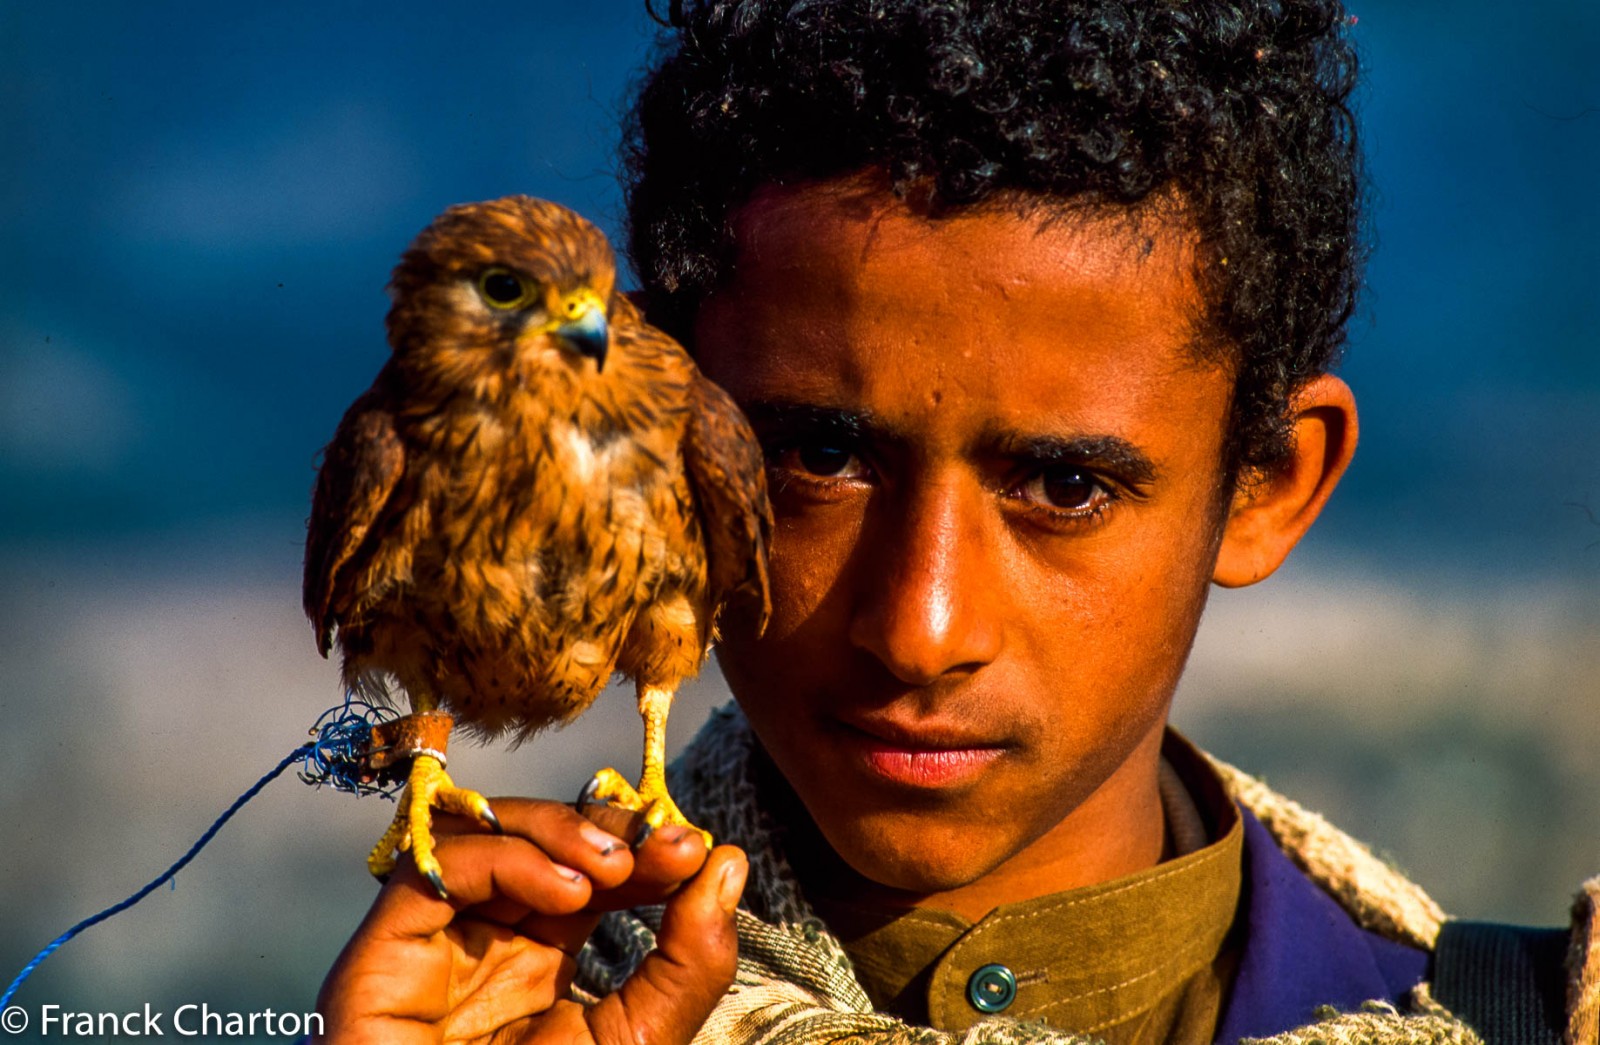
910 855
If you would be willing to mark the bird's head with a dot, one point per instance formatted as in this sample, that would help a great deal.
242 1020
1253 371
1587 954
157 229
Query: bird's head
512 290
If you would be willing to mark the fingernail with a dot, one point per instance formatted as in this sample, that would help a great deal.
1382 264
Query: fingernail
732 885
603 842
568 873
674 835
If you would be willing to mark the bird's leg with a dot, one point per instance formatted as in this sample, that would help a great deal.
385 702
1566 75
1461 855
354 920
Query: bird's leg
654 703
421 738
651 795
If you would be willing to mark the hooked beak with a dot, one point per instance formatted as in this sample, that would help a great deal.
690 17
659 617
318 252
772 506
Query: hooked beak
587 332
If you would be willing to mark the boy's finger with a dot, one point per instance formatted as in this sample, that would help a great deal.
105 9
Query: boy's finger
559 830
500 878
669 996
667 859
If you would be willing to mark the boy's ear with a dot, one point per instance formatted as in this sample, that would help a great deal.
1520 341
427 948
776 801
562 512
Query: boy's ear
1271 511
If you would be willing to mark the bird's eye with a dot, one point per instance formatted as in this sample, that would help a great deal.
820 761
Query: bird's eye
502 288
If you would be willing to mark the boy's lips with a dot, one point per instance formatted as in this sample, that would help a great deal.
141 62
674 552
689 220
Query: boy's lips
919 755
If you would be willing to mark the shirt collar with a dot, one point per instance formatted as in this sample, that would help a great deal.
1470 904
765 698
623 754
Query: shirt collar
1302 950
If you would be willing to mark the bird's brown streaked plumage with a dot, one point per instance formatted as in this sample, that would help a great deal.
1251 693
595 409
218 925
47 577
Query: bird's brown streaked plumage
539 489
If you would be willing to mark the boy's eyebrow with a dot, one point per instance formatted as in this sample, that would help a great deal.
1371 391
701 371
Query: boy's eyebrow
1113 453
1110 452
856 425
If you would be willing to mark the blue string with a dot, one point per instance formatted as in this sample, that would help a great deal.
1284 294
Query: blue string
298 754
338 755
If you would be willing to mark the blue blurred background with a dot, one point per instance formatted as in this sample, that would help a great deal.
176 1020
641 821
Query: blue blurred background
201 205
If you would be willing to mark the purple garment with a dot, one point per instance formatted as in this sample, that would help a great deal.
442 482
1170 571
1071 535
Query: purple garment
1302 951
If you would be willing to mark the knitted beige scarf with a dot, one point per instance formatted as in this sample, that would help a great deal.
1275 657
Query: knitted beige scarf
795 986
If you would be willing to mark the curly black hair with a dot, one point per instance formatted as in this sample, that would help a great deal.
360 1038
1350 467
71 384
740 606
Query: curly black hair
1239 107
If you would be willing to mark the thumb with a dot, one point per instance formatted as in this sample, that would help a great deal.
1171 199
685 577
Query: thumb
675 988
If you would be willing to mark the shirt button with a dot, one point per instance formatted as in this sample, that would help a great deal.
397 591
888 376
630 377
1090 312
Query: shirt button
992 988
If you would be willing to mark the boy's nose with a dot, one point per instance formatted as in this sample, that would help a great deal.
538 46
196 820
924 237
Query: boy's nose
923 605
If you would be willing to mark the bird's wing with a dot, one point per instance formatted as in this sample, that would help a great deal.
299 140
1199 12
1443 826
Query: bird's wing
360 468
728 474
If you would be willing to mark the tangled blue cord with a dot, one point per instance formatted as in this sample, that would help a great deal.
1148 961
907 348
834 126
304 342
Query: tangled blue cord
334 757
337 755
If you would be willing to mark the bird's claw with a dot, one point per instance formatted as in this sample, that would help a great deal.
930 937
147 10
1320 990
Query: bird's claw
493 821
590 795
438 884
609 802
651 806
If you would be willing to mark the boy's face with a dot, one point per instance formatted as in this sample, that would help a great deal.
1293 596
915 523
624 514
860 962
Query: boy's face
995 465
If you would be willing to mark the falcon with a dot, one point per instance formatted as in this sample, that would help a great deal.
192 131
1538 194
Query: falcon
538 491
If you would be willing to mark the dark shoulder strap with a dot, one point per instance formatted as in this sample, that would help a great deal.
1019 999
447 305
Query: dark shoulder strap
1506 981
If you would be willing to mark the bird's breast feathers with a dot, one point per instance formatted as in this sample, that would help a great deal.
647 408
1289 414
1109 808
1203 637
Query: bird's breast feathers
568 516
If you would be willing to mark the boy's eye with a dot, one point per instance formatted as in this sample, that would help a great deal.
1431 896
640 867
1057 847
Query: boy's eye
1065 488
823 460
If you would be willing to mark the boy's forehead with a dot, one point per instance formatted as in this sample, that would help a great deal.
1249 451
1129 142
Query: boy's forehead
966 323
853 226
828 252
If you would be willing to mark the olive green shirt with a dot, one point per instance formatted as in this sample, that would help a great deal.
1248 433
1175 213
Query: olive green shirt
1141 960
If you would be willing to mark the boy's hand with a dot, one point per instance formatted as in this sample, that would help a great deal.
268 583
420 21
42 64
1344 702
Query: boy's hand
494 963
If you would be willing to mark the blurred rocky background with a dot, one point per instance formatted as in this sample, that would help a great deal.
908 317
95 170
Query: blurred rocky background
201 206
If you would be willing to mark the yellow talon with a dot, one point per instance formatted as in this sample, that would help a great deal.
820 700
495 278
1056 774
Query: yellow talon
660 810
612 787
412 828
381 861
650 797
658 807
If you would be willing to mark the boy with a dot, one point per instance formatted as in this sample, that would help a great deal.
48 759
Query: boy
1033 306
